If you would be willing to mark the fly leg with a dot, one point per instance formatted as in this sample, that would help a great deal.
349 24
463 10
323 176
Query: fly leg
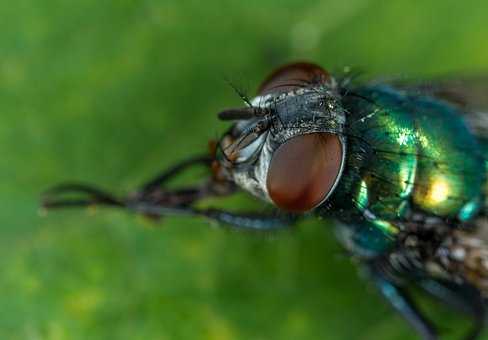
252 221
155 201
403 304
168 174
152 198
462 297
149 196
150 193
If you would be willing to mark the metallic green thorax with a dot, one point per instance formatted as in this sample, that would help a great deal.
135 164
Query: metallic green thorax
405 154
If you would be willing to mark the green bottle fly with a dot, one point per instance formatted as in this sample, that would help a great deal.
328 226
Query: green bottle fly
401 168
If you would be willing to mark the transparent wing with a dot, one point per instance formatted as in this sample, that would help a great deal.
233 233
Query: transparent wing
469 93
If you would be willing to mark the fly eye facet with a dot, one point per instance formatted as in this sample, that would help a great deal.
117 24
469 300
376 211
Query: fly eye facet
303 171
293 76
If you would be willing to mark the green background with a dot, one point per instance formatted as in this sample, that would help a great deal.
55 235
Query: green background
113 91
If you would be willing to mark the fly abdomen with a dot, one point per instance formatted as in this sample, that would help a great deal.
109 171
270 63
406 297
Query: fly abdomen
463 257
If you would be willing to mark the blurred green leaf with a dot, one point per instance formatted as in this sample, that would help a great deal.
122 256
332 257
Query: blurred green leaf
111 92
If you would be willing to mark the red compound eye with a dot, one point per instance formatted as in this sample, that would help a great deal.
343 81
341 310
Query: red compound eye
293 76
303 171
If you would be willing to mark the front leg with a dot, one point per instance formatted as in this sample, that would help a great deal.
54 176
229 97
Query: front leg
154 200
461 297
400 300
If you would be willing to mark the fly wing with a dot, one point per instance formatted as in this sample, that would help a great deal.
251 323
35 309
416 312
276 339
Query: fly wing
469 93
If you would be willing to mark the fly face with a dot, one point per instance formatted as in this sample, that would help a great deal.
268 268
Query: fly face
288 146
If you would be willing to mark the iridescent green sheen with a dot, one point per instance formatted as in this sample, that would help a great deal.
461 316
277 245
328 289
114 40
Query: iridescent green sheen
406 153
